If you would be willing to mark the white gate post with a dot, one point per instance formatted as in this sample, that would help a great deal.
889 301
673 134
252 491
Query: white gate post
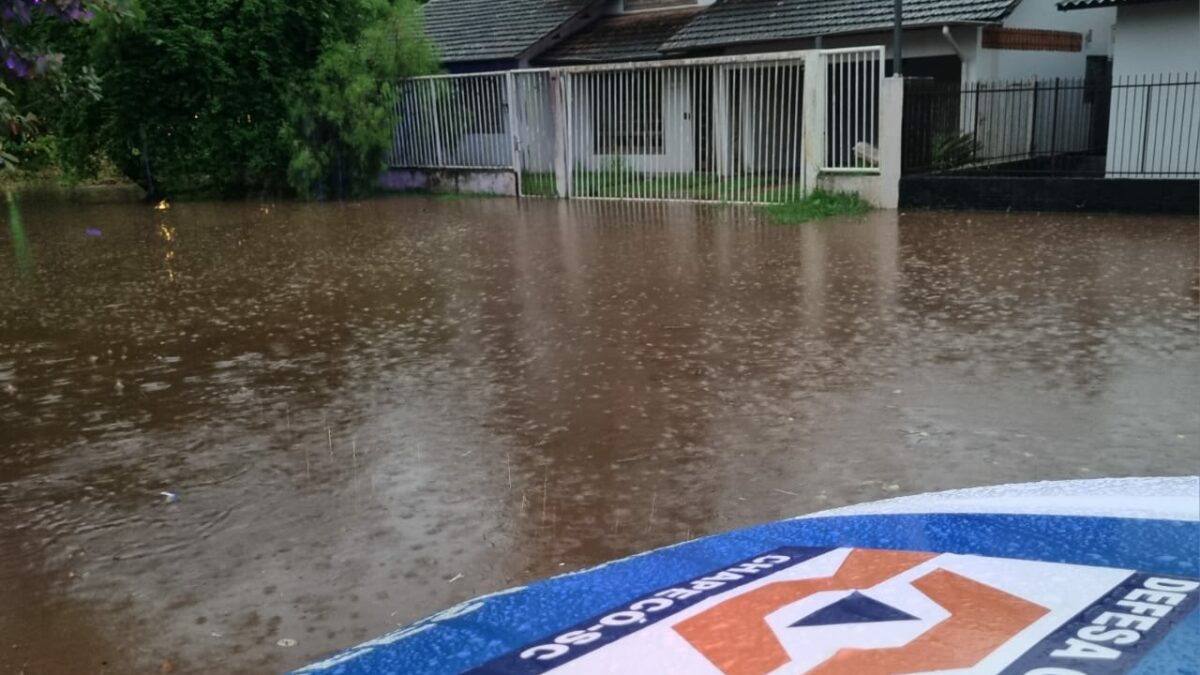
891 125
813 118
720 130
569 144
558 120
513 132
437 128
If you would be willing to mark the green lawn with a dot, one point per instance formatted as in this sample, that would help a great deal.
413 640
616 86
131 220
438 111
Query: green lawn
539 184
706 187
819 204
788 207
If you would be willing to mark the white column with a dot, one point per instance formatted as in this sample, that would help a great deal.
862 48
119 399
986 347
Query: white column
720 120
568 176
558 120
514 135
813 118
891 107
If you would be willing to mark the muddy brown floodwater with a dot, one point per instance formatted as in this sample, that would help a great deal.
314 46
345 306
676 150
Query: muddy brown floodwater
372 411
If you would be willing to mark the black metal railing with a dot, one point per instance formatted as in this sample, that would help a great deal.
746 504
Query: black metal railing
1131 126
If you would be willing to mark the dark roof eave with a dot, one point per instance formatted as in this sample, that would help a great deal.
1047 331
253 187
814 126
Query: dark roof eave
667 48
1072 5
584 61
478 59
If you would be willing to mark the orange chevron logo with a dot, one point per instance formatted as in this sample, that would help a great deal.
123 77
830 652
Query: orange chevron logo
735 637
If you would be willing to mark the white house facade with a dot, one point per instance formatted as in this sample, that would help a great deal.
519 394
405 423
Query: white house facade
1154 118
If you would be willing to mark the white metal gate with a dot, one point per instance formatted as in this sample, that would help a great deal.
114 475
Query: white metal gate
728 129
452 122
724 129
852 78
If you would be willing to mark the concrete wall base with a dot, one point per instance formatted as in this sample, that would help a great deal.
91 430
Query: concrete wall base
868 186
472 181
1130 195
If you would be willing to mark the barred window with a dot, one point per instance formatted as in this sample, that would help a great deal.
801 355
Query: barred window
627 114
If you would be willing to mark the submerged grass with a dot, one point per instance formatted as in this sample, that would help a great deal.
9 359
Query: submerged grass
819 204
542 184
705 187
788 207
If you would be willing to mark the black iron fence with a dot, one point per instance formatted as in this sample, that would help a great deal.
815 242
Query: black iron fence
1132 126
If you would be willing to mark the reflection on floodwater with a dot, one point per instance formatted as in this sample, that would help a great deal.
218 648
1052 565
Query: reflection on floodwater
16 232
370 411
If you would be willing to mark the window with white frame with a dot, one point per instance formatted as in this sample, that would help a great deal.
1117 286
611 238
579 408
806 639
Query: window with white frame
627 113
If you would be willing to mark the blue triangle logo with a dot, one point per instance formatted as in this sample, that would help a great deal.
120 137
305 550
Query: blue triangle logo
854 608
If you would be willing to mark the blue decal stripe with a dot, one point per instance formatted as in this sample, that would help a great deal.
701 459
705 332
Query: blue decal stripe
598 632
1108 638
1178 653
507 622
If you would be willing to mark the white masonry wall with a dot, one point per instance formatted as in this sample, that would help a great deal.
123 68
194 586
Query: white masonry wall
1159 37
1095 25
1150 135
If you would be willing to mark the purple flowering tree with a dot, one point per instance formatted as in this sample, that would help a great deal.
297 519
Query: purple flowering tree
22 62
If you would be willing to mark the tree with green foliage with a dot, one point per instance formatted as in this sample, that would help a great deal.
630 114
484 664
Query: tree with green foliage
341 117
229 98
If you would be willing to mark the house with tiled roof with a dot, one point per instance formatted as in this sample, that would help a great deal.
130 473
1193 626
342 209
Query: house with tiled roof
948 40
658 89
1156 68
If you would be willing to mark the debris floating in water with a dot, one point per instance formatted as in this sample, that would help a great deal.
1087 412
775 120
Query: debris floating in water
94 232
162 205
169 497
286 642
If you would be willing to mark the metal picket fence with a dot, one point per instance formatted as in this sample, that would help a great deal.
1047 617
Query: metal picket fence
725 129
1139 126
452 122
728 129
852 129
537 140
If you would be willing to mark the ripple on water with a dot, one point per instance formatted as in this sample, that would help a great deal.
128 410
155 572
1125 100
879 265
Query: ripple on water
355 405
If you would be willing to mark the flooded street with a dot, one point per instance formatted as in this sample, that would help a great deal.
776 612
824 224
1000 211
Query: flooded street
371 411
